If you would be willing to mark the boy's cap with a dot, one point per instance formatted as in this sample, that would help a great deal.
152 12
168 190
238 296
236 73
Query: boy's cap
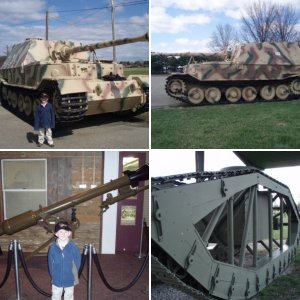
62 225
44 95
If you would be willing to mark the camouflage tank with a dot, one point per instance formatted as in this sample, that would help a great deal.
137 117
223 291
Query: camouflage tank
264 71
77 86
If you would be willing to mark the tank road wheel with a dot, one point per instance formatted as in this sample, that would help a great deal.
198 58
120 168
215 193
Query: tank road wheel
249 93
195 95
175 87
4 94
295 86
27 106
21 103
282 91
213 95
14 100
267 92
36 102
9 97
233 94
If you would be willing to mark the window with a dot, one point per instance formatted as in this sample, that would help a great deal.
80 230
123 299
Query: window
24 183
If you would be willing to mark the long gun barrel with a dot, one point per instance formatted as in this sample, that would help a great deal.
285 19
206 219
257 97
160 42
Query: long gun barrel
65 52
30 218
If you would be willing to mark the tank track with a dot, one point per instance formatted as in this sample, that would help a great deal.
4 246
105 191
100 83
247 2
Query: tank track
186 80
68 108
180 97
72 107
158 269
207 176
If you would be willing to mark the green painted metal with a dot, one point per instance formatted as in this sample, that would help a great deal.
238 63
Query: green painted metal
214 237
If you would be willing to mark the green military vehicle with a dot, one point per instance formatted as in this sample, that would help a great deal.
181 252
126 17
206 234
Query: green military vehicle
213 233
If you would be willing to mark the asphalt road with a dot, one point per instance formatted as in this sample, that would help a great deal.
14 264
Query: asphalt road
96 132
159 97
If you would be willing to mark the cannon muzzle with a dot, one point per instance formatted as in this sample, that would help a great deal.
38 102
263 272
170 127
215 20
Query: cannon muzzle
65 52
139 175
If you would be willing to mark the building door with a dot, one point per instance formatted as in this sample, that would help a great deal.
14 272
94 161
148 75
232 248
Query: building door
130 211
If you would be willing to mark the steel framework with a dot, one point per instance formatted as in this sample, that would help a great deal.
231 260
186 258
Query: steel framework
213 233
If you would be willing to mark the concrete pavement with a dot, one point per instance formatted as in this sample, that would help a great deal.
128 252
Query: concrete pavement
96 132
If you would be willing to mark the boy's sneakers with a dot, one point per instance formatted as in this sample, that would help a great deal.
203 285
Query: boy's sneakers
52 145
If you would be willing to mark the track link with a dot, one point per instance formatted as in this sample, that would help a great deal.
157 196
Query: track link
72 107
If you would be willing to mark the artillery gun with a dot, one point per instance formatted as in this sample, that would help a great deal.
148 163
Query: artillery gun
248 72
77 86
212 232
128 186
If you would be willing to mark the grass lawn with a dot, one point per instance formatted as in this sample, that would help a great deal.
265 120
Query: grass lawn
258 125
286 286
136 71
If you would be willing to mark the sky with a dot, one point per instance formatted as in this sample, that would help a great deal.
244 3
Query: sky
170 162
86 21
187 26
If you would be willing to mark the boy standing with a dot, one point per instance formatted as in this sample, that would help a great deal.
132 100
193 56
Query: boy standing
44 120
64 261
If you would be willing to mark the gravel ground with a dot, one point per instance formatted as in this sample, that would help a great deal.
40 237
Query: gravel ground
163 291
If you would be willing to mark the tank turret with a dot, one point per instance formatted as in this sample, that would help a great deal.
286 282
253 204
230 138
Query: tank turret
249 72
77 86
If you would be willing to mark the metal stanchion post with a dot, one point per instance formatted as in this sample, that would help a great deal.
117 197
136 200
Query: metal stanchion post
16 246
90 274
16 269
141 241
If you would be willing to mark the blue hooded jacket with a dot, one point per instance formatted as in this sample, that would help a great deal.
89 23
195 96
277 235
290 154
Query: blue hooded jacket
64 264
44 117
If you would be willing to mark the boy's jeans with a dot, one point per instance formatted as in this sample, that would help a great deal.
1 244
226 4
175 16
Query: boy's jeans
57 292
45 132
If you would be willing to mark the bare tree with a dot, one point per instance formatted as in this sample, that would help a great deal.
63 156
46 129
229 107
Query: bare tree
285 24
7 51
258 22
269 22
223 38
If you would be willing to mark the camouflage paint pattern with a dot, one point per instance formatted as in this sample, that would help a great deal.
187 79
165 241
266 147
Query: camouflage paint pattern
251 71
36 64
265 61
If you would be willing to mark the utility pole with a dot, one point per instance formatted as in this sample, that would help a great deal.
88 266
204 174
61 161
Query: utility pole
113 26
47 25
199 162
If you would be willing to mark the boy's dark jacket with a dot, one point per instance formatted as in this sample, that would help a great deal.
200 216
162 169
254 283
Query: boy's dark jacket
64 264
44 117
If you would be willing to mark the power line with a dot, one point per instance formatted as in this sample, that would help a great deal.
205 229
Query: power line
103 7
83 9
